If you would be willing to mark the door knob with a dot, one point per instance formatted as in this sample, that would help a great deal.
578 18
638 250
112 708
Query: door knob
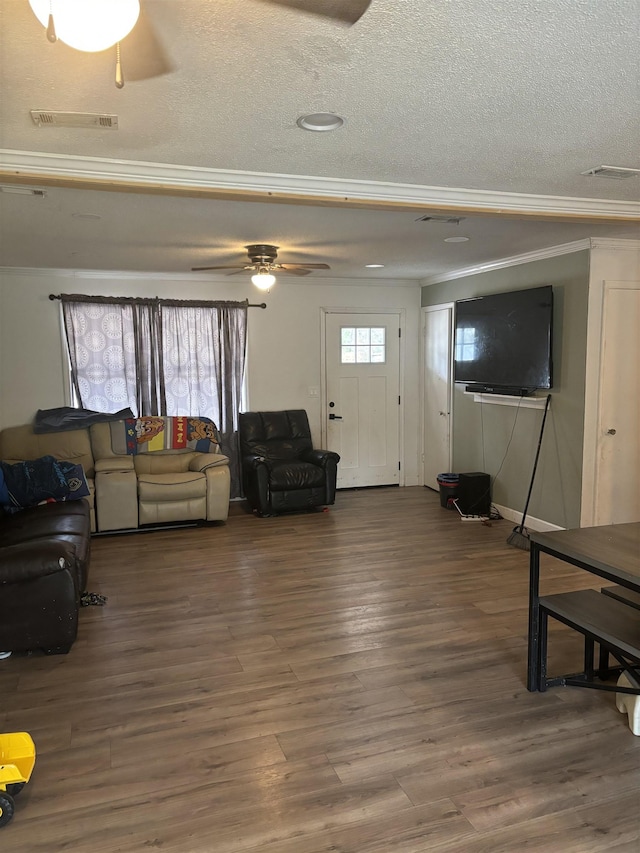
611 432
333 417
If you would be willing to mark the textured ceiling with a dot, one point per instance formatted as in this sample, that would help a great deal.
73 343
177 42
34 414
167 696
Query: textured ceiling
475 94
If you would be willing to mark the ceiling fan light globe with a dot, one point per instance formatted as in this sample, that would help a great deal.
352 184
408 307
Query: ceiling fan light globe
263 280
88 25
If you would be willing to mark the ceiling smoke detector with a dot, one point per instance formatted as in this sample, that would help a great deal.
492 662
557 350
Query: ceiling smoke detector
618 173
60 118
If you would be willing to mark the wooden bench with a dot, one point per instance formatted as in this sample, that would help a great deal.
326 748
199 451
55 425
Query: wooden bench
600 619
628 597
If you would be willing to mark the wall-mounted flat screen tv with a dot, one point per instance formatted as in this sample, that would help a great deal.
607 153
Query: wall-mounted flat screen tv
503 341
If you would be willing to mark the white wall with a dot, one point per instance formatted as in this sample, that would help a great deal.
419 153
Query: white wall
284 340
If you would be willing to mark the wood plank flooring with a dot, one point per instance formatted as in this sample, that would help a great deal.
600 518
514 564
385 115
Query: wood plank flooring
350 681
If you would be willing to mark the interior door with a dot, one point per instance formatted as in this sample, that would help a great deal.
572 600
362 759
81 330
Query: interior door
362 380
617 490
436 440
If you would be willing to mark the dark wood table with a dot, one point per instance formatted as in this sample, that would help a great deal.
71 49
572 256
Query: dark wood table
611 552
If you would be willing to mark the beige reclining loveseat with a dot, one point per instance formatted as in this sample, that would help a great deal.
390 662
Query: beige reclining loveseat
160 487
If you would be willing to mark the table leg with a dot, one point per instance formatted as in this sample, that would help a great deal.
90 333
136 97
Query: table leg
534 627
589 654
543 624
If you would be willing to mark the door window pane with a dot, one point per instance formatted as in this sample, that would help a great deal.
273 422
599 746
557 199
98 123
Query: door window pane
362 345
348 355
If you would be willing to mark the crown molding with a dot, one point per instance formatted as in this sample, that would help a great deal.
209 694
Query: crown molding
44 169
203 277
116 275
513 261
615 243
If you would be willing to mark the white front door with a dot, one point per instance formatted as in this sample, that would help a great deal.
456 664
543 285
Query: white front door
362 381
617 492
436 439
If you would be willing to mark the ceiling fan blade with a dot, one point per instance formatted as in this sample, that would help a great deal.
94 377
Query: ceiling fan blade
292 270
308 266
348 11
232 267
143 55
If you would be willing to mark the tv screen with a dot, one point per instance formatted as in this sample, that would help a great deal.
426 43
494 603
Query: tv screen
503 341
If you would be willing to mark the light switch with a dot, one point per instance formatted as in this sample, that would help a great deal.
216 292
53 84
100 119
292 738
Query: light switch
314 391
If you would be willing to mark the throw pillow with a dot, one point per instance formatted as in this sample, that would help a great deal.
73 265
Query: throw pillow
76 480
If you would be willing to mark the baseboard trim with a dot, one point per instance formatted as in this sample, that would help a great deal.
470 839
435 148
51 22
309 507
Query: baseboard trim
538 524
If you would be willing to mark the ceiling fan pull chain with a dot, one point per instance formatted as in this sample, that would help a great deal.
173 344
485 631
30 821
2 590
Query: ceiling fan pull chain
51 28
119 74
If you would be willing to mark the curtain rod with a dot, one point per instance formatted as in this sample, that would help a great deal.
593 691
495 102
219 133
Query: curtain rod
53 296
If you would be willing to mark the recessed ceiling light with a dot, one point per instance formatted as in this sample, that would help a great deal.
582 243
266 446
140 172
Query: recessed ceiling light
456 239
320 122
86 216
374 266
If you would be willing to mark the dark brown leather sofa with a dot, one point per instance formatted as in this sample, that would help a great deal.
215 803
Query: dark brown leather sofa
44 564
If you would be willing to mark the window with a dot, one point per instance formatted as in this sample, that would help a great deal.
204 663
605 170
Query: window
159 357
362 345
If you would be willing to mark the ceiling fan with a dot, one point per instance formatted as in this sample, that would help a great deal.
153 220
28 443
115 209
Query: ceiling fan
145 56
348 11
95 25
263 263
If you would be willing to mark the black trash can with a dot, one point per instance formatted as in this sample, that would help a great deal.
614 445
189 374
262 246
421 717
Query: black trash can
448 484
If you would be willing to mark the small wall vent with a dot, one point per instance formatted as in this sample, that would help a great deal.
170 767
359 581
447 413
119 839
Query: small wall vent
59 118
15 189
448 220
618 173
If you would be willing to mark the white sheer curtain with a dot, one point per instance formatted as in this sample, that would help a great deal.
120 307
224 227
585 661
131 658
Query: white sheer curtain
160 357
203 356
114 354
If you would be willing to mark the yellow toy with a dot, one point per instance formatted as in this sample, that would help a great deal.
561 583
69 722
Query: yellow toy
17 758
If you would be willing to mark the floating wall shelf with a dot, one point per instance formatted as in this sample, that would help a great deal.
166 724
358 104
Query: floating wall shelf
508 400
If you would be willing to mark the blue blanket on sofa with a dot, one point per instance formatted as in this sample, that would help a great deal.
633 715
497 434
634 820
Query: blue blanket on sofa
35 481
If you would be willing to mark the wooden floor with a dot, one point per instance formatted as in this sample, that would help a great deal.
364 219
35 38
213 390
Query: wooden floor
350 681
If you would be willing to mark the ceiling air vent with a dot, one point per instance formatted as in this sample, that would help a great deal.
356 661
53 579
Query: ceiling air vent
616 172
449 220
59 118
15 189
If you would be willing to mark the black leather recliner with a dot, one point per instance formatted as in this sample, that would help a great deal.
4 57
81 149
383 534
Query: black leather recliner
281 471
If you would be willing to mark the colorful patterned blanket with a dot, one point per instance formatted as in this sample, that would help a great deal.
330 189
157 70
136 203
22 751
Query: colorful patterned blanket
144 435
